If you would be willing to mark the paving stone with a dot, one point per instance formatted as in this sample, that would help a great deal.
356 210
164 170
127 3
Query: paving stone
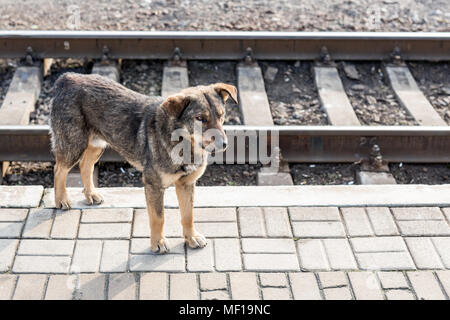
41 264
227 254
214 214
30 287
447 213
423 253
341 293
273 279
65 225
382 222
270 262
276 294
332 279
277 222
385 261
46 247
141 226
114 256
91 287
38 224
7 284
105 231
304 286
213 281
172 223
219 230
215 295
339 254
418 213
7 252
60 287
244 286
261 245
160 263
10 229
399 294
154 286
107 215
357 222
425 285
122 286
87 256
13 215
424 228
200 259
142 246
378 244
20 196
314 214
442 246
444 278
365 286
318 229
183 286
393 280
312 255
251 222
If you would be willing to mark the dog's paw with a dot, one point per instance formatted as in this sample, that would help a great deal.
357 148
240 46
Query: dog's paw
63 203
93 198
196 241
159 246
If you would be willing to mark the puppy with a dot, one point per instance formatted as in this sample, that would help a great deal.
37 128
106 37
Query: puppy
90 112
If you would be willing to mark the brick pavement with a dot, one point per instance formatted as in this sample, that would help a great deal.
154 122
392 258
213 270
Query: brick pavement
287 252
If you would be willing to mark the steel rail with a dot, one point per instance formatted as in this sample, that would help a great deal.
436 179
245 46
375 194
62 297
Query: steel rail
412 144
433 46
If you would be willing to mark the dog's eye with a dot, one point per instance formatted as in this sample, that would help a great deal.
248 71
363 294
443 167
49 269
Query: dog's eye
200 118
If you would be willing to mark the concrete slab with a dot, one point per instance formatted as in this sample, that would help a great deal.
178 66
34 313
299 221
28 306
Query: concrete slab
370 177
21 97
274 179
333 97
253 99
175 79
20 196
341 195
410 96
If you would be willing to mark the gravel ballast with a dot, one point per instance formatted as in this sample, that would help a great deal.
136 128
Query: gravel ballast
237 15
292 94
371 96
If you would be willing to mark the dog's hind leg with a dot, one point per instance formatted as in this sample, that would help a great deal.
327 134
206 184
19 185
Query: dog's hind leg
61 170
90 157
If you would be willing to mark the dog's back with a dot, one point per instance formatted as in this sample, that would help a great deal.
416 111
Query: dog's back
92 107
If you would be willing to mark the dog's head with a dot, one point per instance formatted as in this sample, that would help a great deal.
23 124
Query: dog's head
201 111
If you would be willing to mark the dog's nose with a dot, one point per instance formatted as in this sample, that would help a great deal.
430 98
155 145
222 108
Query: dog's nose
224 145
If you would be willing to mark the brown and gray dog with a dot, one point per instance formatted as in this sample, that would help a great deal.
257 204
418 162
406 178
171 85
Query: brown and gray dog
90 112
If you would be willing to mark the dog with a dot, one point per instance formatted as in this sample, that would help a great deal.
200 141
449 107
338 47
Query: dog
91 112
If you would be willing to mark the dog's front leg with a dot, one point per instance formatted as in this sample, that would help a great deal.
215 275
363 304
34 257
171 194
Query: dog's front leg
155 207
185 195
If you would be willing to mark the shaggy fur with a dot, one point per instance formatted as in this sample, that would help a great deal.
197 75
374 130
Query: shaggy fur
90 112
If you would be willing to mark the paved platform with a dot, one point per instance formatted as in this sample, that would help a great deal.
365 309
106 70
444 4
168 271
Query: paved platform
342 242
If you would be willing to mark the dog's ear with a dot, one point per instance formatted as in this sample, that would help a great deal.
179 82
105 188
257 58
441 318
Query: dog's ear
174 105
226 91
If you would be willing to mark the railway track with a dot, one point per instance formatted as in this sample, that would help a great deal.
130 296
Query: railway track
343 139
